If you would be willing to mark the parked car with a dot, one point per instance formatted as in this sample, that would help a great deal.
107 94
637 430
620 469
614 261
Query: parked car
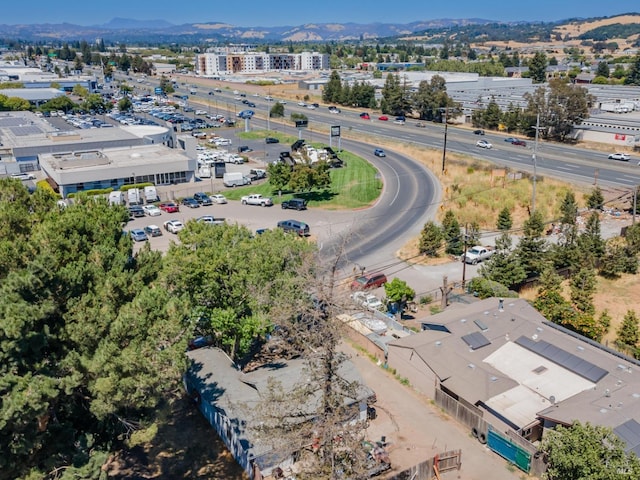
190 202
479 132
294 226
271 140
138 235
619 156
169 207
202 198
153 231
368 300
256 199
173 226
483 144
378 152
152 210
218 198
244 148
294 204
369 280
136 211
23 176
210 219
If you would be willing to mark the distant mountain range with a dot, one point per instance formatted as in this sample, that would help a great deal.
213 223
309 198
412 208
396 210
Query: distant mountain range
470 29
123 30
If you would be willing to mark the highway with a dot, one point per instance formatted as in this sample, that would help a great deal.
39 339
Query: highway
573 163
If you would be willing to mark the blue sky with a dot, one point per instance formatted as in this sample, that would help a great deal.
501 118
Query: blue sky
286 12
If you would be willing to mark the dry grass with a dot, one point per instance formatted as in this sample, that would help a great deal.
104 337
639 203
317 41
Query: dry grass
574 29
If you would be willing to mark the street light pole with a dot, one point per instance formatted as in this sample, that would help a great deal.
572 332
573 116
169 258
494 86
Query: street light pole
535 161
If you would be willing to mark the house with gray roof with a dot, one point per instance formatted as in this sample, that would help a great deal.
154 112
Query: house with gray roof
232 402
520 373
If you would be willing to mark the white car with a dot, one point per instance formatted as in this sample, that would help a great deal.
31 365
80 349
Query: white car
620 156
368 300
218 198
201 112
173 226
23 176
302 104
220 142
483 144
152 210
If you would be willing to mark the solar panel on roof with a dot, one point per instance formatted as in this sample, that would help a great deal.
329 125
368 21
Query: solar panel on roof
475 340
481 325
13 121
563 358
22 131
629 431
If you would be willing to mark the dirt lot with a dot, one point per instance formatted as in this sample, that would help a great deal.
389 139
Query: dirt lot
185 447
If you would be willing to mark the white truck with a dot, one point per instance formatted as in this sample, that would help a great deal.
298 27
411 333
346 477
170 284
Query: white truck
257 199
235 179
150 194
477 254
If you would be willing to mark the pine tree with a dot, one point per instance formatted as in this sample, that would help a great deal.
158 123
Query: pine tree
628 334
430 240
504 219
583 287
451 232
595 200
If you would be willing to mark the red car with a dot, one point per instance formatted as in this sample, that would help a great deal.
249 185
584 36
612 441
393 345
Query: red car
521 143
365 116
369 280
169 207
384 118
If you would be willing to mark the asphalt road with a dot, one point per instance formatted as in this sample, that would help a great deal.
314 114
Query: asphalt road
573 163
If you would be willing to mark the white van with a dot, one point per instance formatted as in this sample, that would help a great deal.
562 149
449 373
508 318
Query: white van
116 198
235 179
134 197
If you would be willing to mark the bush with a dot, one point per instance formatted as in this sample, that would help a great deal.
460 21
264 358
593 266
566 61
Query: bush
125 188
91 193
483 288
44 185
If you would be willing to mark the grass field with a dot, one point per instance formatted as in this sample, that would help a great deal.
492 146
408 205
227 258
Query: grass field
353 186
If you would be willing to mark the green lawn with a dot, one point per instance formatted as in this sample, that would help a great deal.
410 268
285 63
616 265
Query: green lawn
355 185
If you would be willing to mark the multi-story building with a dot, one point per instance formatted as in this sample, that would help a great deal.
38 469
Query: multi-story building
217 64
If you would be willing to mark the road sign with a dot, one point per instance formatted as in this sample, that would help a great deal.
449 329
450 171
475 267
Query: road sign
158 91
302 123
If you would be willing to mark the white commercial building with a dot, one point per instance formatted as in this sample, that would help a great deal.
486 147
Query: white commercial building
217 64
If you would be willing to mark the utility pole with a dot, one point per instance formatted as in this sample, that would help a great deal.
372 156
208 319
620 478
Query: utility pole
444 147
635 202
534 158
445 289
464 257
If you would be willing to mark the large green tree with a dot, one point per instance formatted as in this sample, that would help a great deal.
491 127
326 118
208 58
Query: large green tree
237 286
538 67
583 451
86 344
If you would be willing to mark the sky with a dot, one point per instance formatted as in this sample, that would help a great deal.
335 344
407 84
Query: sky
249 13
